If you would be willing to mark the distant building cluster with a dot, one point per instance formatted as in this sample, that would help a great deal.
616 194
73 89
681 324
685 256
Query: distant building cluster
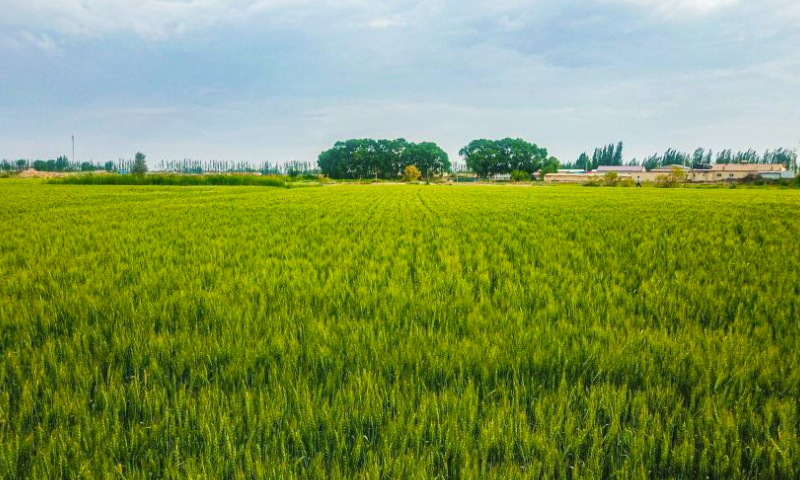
717 173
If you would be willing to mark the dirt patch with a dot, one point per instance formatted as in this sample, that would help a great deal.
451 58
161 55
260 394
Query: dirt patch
31 173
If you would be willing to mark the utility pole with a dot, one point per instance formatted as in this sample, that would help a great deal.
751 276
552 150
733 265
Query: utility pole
796 170
73 149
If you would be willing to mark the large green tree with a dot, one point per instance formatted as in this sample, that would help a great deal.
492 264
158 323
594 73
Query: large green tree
368 158
607 155
481 157
549 166
583 162
139 164
492 157
427 157
61 164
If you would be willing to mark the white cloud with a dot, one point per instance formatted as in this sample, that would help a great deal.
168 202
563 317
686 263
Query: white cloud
42 42
24 40
381 23
161 19
150 19
680 7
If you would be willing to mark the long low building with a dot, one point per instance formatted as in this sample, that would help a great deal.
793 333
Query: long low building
620 169
714 174
733 172
570 177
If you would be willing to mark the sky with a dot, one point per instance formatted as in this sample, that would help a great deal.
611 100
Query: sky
282 80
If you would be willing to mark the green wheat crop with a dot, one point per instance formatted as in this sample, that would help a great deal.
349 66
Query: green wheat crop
398 332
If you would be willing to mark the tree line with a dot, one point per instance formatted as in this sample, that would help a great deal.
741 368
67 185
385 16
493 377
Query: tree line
368 158
611 155
8 165
292 169
60 164
187 166
387 159
514 156
702 157
608 155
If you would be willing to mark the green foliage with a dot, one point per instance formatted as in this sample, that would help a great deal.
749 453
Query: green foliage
398 332
674 178
675 157
785 157
492 157
609 155
593 181
139 164
724 157
171 180
701 157
89 167
610 179
61 164
427 157
549 166
520 176
583 162
367 158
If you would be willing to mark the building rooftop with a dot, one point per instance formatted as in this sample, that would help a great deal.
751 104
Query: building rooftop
619 169
669 168
747 167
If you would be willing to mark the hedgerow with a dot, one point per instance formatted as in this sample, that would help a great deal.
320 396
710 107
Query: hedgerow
171 180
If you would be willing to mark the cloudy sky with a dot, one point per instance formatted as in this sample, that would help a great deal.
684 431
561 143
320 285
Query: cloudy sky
276 80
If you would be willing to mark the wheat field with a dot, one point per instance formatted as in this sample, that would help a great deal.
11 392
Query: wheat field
412 332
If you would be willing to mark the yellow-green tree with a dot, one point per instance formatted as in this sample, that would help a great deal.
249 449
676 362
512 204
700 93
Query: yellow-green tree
411 173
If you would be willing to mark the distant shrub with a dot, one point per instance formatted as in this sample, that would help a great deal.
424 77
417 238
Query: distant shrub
592 182
411 174
611 179
753 179
627 182
520 176
672 179
172 180
302 177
